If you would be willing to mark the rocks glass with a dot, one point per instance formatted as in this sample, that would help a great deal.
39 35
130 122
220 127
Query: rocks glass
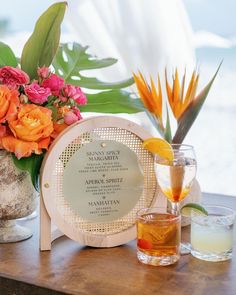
158 236
212 235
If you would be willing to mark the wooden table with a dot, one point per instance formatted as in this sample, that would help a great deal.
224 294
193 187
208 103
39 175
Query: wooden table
72 269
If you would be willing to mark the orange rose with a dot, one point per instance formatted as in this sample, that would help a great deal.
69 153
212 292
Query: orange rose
58 128
31 131
9 101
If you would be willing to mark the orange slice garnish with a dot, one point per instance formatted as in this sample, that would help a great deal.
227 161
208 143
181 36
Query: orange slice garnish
160 147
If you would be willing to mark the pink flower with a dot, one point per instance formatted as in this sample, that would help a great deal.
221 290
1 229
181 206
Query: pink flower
63 98
43 72
37 94
55 83
81 99
72 116
77 113
13 77
74 92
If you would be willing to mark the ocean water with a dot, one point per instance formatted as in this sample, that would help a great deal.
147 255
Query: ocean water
214 131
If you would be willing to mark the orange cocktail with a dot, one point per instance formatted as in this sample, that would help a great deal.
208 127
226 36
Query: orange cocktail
175 173
175 179
158 236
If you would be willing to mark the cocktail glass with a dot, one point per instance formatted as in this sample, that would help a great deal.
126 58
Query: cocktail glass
158 236
212 235
175 177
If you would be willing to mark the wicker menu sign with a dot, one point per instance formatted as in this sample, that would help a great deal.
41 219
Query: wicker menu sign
103 181
94 178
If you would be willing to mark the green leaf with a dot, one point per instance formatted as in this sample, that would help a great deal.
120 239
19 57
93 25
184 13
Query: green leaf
54 112
69 62
41 47
167 135
190 114
113 101
77 60
32 165
94 83
7 57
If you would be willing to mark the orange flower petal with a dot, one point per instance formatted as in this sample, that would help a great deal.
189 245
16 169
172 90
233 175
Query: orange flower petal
33 123
44 143
19 147
160 95
3 131
155 97
58 128
3 110
176 94
9 102
190 86
144 93
12 112
192 94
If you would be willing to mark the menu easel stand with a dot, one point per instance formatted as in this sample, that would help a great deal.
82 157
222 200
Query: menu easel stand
94 178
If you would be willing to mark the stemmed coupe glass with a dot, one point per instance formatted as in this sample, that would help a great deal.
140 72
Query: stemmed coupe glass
175 177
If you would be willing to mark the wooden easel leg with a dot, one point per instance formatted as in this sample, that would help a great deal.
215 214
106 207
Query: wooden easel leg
45 227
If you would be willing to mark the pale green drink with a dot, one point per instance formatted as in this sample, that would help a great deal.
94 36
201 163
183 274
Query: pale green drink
212 235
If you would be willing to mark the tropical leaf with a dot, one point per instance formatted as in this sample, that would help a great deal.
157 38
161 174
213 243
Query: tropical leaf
7 57
77 60
94 83
32 165
113 101
41 47
190 114
167 135
70 61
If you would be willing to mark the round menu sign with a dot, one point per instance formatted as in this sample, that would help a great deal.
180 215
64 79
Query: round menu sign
103 181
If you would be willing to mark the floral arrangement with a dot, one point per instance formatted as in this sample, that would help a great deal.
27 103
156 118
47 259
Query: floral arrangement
45 90
41 92
33 113
184 104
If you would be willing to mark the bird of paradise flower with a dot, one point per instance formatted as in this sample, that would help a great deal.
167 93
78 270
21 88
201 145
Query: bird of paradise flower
184 105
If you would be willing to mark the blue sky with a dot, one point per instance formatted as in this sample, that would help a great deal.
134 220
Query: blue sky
24 13
216 16
212 15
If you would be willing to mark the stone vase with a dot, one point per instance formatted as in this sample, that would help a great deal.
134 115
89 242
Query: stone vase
18 199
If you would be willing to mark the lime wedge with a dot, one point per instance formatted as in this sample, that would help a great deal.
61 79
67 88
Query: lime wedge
191 209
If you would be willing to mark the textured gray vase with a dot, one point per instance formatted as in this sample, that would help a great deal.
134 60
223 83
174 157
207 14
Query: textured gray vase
18 199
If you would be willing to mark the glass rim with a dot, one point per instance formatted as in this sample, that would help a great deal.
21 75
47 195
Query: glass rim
145 210
231 214
180 147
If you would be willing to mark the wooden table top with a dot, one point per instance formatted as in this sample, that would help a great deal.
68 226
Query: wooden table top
72 269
